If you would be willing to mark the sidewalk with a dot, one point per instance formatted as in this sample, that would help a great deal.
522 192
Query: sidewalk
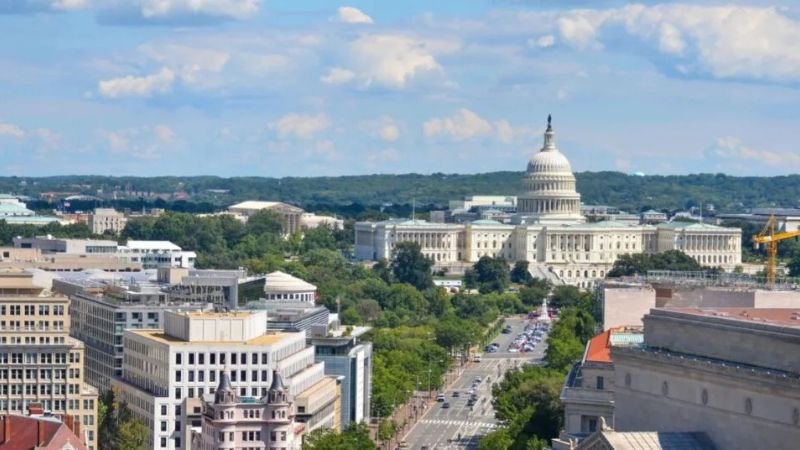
407 415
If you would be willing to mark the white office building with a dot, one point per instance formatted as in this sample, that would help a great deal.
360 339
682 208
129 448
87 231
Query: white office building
166 372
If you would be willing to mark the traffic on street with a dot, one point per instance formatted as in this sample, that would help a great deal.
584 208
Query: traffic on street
463 412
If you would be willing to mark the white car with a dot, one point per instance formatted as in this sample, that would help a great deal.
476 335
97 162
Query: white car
513 350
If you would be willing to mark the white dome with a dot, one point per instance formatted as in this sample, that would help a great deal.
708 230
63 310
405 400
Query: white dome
549 161
283 282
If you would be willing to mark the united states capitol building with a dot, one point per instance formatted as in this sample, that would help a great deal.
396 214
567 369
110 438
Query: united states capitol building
549 231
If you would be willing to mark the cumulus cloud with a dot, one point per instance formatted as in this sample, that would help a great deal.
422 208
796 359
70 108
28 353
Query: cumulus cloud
11 131
392 60
337 75
131 86
189 63
303 126
505 132
463 125
544 41
349 14
39 6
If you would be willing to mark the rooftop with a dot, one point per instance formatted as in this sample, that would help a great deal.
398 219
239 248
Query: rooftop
151 245
692 225
258 205
283 282
158 335
654 440
787 317
599 347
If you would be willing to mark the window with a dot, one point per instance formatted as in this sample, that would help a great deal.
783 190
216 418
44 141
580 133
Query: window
163 410
600 383
178 359
178 394
191 358
592 425
178 375
212 358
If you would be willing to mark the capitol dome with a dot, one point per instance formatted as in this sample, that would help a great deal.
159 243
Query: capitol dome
550 194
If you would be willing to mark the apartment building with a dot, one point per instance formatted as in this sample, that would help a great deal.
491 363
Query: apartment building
165 371
40 363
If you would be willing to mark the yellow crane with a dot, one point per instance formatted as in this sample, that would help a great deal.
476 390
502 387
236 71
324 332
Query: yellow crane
770 238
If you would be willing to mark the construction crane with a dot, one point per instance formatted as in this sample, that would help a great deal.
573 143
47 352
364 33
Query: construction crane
770 238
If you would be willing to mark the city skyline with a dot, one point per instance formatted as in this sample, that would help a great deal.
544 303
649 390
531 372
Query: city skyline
305 88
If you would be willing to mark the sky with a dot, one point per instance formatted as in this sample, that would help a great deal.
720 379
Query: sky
317 88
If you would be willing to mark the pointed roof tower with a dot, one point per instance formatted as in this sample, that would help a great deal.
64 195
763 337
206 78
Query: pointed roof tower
225 392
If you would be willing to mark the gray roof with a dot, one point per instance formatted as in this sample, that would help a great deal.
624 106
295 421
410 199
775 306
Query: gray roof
277 382
652 440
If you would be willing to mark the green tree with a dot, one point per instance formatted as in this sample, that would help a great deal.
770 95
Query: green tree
640 263
265 222
794 266
411 266
520 273
354 437
492 274
382 269
499 439
132 435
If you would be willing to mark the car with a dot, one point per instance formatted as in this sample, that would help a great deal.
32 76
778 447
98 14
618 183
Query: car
440 397
445 405
456 394
424 447
506 331
471 392
476 359
513 350
403 445
477 378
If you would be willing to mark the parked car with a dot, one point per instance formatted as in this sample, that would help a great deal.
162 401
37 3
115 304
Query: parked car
476 359
456 394
440 397
445 405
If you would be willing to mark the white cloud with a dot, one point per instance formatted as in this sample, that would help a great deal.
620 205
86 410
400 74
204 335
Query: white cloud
10 130
189 63
69 5
505 132
302 126
545 41
464 125
389 132
579 28
733 149
392 60
164 133
670 40
37 6
131 86
349 14
155 10
337 75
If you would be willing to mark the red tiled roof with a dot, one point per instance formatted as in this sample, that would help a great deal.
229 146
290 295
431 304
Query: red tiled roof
599 349
28 433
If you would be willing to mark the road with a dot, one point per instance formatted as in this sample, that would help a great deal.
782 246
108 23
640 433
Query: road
440 428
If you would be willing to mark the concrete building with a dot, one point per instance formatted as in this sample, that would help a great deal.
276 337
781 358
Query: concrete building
38 431
33 258
41 363
346 356
588 392
310 221
653 217
474 201
150 254
728 372
166 371
282 287
102 308
549 231
106 220
231 421
15 212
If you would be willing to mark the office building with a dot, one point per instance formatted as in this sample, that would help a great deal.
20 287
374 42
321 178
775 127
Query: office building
106 220
33 258
231 421
41 363
150 254
730 373
166 371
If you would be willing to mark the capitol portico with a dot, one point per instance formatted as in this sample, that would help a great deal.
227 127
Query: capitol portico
549 232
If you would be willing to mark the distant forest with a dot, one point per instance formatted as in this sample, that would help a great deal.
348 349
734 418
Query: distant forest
351 196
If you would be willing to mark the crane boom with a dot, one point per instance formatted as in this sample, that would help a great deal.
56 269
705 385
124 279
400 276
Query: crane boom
769 237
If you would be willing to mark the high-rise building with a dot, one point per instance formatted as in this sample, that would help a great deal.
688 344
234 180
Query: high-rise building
40 363
231 421
167 371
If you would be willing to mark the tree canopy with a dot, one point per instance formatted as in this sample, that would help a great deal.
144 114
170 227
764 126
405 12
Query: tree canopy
411 266
640 263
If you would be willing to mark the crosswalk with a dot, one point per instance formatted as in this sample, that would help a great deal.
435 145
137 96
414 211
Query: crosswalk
467 423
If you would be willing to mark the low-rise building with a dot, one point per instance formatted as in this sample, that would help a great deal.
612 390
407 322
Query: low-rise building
588 392
282 287
150 254
231 421
165 371
38 431
33 258
106 220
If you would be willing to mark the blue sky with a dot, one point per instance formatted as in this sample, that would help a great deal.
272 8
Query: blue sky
313 87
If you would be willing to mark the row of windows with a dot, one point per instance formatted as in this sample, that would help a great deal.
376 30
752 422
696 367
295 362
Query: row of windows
41 358
221 358
30 310
200 375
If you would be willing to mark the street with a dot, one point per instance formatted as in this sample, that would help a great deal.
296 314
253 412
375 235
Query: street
440 428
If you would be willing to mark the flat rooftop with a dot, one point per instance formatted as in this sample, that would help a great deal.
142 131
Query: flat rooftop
599 348
784 317
158 335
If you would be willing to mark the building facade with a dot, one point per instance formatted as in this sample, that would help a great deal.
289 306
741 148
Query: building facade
550 232
166 371
233 422
727 372
106 220
40 363
282 287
